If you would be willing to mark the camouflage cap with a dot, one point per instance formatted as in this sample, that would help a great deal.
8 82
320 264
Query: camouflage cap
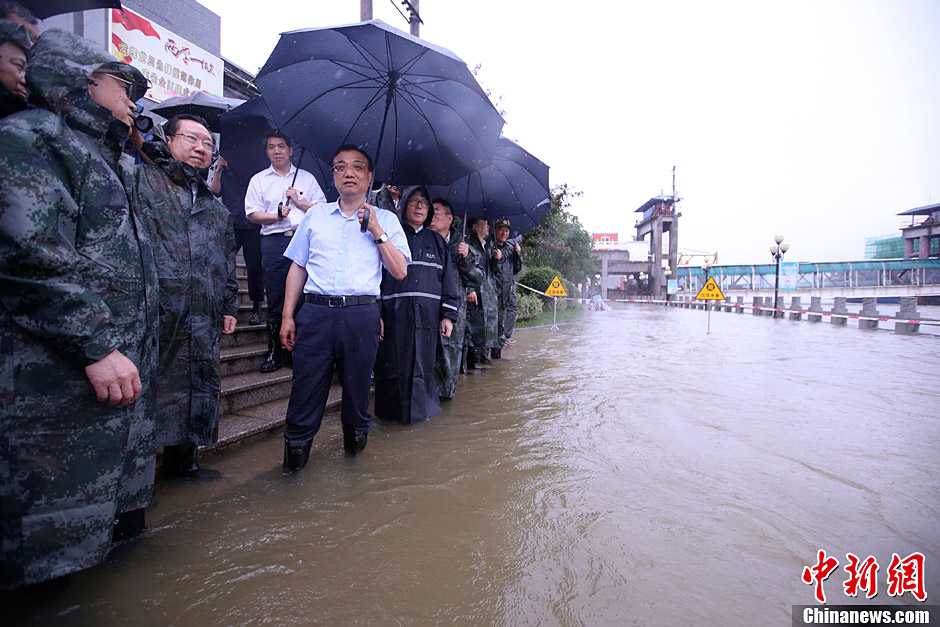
501 222
139 84
15 33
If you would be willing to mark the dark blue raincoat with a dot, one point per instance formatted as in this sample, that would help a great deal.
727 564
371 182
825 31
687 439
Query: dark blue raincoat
406 389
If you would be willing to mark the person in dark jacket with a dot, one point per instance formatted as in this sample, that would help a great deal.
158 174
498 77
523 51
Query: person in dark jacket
416 311
506 264
482 313
194 245
77 316
15 42
469 277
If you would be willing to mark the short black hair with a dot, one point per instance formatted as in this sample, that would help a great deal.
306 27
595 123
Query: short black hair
279 135
173 124
443 202
347 147
8 9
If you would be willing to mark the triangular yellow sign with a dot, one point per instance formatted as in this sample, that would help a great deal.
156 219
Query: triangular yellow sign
556 288
710 291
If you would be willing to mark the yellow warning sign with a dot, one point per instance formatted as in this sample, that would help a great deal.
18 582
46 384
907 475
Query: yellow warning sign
710 291
556 288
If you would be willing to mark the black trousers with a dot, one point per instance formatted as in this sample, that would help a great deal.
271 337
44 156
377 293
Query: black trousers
249 240
346 338
275 266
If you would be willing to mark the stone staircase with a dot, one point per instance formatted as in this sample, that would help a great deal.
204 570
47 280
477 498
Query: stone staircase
252 402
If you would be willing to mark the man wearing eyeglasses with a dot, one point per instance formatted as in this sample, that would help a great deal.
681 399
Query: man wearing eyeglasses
77 315
337 269
277 199
416 311
194 245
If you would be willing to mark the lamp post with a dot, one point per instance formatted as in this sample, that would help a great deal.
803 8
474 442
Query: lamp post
777 250
706 266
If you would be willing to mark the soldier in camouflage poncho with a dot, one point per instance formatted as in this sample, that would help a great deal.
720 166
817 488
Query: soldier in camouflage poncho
482 314
469 277
506 264
194 245
76 298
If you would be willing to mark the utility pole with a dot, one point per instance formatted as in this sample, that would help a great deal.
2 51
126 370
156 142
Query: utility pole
414 19
365 10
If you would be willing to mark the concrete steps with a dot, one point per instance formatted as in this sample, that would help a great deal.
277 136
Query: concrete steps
252 402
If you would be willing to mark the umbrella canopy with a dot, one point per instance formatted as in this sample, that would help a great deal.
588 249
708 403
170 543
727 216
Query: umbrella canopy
241 142
413 106
47 8
514 186
198 103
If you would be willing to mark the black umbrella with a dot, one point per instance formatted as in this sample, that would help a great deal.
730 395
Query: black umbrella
199 103
514 186
413 106
47 8
241 142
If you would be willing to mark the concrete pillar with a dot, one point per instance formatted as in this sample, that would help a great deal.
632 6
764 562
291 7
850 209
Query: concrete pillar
815 304
795 304
869 308
908 312
778 305
604 276
740 307
909 248
924 252
758 302
838 307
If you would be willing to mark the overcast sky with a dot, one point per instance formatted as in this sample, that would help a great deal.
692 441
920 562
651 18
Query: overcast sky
813 119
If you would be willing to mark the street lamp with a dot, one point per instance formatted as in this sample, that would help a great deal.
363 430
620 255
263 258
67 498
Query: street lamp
777 250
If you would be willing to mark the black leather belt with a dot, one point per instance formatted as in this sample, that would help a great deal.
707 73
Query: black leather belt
338 301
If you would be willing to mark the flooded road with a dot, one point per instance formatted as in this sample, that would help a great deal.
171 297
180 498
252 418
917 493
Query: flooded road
624 469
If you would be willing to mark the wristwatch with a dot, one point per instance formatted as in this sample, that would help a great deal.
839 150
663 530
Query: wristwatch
382 238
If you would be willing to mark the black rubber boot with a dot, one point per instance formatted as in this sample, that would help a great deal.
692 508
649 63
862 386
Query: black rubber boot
463 361
255 313
354 442
296 454
273 362
496 353
186 464
128 525
472 359
483 356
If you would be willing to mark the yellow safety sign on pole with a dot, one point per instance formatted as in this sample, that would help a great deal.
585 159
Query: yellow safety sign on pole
556 288
710 291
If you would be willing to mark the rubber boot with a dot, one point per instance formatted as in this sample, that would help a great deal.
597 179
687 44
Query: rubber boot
273 362
128 525
463 361
496 353
354 442
296 454
255 313
472 359
483 356
188 467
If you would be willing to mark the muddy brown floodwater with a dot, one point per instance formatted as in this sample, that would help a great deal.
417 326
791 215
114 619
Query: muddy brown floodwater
624 469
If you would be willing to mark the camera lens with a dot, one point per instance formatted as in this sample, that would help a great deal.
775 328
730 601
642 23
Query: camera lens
143 123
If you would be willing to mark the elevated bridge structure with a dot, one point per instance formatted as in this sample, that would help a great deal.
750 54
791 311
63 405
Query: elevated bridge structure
849 279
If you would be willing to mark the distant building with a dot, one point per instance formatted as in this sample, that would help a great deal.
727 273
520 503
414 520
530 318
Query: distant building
884 247
604 241
922 237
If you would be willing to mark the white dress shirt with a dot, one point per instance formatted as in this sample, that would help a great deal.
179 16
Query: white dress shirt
268 188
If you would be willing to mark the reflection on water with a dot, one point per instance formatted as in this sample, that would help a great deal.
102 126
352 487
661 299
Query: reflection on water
627 468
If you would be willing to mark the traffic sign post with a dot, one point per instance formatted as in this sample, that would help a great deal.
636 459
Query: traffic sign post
709 291
555 290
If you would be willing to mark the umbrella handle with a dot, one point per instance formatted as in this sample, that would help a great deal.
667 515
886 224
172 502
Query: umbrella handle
365 220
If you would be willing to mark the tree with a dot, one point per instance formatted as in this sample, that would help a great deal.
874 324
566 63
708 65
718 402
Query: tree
559 241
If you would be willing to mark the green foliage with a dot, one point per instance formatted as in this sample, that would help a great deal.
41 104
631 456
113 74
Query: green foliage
528 307
559 241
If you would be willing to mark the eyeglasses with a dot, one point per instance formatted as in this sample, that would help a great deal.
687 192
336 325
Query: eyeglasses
419 202
190 140
358 167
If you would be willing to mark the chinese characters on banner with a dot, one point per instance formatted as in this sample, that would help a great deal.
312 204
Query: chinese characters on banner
789 274
902 575
174 66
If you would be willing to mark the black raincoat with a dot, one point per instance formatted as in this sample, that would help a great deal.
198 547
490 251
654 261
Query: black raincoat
412 310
